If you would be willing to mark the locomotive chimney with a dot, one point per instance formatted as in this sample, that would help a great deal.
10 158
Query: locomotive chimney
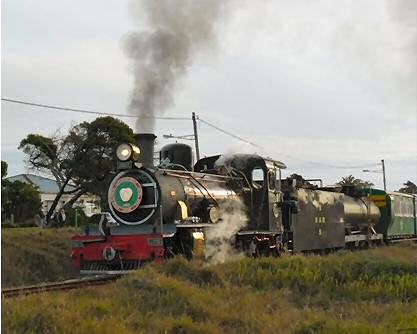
145 142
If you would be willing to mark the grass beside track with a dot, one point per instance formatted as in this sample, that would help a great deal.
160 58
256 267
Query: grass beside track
373 291
34 255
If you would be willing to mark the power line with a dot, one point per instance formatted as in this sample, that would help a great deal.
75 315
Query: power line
282 154
47 106
39 105
227 132
341 167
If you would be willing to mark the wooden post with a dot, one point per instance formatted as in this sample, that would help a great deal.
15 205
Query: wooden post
197 148
383 174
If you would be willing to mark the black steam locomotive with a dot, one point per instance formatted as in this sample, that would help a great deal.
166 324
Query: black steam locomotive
183 208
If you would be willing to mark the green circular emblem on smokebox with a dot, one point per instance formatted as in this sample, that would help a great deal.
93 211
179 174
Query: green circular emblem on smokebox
126 194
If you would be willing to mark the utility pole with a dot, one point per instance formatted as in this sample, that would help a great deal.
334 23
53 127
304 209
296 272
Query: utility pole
197 148
383 175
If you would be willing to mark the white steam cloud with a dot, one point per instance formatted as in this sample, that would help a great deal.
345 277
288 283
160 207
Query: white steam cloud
219 238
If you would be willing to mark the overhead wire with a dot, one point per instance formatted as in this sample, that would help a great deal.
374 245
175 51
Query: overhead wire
227 132
285 155
89 111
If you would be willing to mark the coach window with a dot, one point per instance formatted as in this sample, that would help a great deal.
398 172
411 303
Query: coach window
258 177
408 208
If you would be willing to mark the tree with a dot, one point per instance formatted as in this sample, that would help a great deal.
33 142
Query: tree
4 167
350 180
84 158
22 200
409 188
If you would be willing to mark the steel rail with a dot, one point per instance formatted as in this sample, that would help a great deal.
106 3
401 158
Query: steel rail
71 284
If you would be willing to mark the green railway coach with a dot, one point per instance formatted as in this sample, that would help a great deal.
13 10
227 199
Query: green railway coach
398 214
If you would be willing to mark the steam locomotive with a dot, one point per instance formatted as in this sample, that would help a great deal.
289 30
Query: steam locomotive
161 211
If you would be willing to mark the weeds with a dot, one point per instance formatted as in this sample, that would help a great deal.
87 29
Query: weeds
364 292
33 255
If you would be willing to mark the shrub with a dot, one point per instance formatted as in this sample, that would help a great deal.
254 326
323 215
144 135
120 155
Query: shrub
370 291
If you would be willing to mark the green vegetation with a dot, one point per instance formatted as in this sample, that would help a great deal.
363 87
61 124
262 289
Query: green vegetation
350 180
372 291
84 158
4 168
33 255
19 200
409 188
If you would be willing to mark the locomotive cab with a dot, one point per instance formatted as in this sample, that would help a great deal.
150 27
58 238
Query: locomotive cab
260 191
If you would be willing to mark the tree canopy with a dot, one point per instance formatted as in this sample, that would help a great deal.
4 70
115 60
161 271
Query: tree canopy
83 158
350 180
4 167
22 200
409 188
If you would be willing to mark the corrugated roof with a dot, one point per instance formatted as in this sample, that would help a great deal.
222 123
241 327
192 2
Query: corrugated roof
44 184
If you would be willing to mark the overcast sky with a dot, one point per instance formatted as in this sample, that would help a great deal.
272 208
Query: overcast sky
332 82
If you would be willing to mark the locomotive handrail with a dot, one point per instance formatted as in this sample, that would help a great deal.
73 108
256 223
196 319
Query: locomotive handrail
202 185
197 174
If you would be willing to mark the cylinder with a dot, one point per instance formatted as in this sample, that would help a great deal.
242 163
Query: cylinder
146 143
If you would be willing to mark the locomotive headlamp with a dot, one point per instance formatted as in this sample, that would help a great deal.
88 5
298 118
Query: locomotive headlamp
127 152
123 152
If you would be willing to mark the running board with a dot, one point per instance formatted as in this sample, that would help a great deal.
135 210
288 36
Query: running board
363 237
401 240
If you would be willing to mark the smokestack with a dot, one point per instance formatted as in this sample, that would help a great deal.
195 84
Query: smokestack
146 143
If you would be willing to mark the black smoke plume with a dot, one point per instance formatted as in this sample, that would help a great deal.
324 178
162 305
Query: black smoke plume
164 49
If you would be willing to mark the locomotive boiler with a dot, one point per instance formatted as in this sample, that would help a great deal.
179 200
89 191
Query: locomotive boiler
166 194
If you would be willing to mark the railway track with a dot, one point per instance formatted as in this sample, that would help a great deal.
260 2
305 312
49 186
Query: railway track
71 284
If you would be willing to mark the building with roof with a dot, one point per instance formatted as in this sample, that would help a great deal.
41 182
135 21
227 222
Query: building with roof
48 190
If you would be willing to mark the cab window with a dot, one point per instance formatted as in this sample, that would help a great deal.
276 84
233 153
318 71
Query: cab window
258 177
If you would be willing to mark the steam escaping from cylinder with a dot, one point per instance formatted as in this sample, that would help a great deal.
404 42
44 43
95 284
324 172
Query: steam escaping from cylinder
163 52
219 238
